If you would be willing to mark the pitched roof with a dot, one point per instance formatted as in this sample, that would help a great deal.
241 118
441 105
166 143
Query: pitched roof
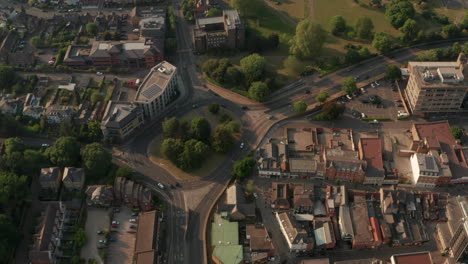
71 174
49 174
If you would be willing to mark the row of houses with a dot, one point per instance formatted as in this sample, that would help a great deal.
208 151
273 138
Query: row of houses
133 194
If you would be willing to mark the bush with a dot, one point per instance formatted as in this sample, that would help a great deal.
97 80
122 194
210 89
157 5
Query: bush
213 108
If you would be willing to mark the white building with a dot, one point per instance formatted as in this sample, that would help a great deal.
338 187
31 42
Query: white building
296 237
430 170
157 89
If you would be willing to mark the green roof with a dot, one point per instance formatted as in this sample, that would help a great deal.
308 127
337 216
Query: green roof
229 254
223 232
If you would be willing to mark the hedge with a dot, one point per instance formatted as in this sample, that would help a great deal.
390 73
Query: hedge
402 117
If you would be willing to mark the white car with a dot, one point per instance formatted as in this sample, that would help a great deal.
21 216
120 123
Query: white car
363 90
99 73
45 145
242 145
363 115
161 186
115 222
349 97
133 220
373 85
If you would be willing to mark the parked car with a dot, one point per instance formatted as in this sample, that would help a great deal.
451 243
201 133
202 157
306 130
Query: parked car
364 101
398 100
99 73
100 232
363 90
132 220
244 107
45 145
160 185
112 239
349 97
135 214
133 226
363 115
102 241
242 145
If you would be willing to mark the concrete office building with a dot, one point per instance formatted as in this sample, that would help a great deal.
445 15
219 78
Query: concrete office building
223 31
121 119
437 87
157 89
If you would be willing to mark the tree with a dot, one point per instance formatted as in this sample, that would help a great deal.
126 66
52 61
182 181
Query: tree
107 35
248 8
457 132
171 149
124 172
9 236
410 30
349 85
37 42
259 91
213 12
96 160
80 237
92 29
398 11
332 110
244 168
451 31
65 152
322 96
13 145
352 56
13 190
200 129
464 23
337 25
233 76
7 77
253 67
274 40
293 65
364 27
250 187
382 42
96 96
430 55
222 139
33 161
210 65
393 72
234 126
300 107
213 108
170 127
309 39
116 35
193 155
94 131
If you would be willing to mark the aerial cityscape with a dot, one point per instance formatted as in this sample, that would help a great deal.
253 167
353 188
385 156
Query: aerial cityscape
233 131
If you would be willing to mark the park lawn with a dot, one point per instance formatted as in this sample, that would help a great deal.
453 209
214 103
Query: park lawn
211 162
351 11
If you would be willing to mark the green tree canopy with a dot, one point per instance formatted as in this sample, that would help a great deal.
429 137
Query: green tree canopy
213 12
309 39
293 65
124 172
233 76
200 129
398 11
382 42
13 190
97 160
92 29
452 31
410 30
248 8
222 139
80 237
393 72
34 160
364 28
322 96
193 155
37 42
253 67
464 23
65 152
457 132
300 107
9 236
337 25
349 85
13 145
170 127
171 149
244 168
7 77
259 91
213 108
332 110
234 126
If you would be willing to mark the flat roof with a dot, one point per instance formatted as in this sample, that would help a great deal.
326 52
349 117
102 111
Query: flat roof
155 82
361 223
412 258
224 232
372 153
118 114
229 254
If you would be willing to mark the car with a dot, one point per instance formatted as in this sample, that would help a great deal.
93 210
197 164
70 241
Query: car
135 214
172 186
116 210
100 232
375 121
244 107
53 59
132 220
21 46
177 184
133 226
194 106
355 113
307 91
136 30
102 241
112 239
364 101
255 195
373 85
377 83
160 185
363 90
99 73
363 115
54 50
399 105
45 145
115 222
242 145
51 62
120 9
270 117
349 97
398 100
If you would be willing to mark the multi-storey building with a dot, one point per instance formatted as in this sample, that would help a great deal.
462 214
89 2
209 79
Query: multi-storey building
453 234
223 31
370 150
297 237
106 54
437 87
157 89
121 119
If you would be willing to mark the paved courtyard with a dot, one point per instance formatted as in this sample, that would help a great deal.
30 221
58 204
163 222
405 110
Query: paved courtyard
122 249
98 219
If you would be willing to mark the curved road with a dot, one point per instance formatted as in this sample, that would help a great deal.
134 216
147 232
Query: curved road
185 234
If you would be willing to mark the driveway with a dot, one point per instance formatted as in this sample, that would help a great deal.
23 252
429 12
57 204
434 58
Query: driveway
98 219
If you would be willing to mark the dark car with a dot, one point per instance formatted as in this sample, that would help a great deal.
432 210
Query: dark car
178 184
364 101
244 107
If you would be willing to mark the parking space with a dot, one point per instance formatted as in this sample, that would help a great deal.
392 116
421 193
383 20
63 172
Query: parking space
122 238
97 220
379 101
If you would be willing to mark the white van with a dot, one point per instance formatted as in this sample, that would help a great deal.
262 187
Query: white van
402 114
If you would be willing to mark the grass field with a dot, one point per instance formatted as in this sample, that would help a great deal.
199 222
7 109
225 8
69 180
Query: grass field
211 162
